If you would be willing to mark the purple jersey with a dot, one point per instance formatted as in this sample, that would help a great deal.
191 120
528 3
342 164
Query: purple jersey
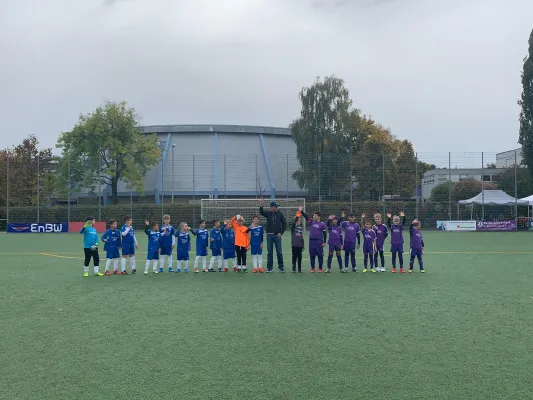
369 236
335 235
350 231
396 234
316 230
416 239
381 233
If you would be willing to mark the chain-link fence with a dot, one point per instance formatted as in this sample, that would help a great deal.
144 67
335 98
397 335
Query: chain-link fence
427 186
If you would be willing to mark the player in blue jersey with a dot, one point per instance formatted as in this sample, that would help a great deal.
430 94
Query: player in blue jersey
113 242
90 247
154 245
228 244
183 244
202 245
168 241
129 244
215 240
257 234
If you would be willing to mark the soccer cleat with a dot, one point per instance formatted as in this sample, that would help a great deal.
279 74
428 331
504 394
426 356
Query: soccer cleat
394 270
269 271
133 271
245 270
293 271
423 271
146 272
219 269
115 272
300 271
86 275
372 270
107 273
226 270
410 271
402 270
156 271
185 270
124 273
98 274
235 269
205 270
320 270
365 270
170 269
282 271
196 270
261 270
254 270
354 269
178 270
346 269
343 271
383 269
312 270
161 270
328 271
210 270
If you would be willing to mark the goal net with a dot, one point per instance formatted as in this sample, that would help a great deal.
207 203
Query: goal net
226 208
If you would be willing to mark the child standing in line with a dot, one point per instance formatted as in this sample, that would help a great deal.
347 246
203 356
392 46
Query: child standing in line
228 245
381 234
317 241
334 242
369 245
297 240
202 246
90 247
184 246
242 242
112 246
257 234
417 245
168 241
396 239
216 246
352 240
129 244
154 245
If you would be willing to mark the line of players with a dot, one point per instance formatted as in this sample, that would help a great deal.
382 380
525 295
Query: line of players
232 239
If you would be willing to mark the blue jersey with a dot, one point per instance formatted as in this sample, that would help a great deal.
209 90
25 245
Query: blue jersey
184 241
128 239
202 238
167 236
112 239
228 239
90 237
216 236
256 235
154 238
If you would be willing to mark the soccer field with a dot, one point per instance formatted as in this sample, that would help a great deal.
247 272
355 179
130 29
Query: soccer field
464 330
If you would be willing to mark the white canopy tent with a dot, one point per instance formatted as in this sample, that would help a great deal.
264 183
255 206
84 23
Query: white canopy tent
494 198
529 200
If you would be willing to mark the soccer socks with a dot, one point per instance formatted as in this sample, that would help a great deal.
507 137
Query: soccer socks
382 258
123 263
226 264
147 266
115 264
204 262
260 261
393 259
155 265
186 265
96 268
254 260
312 262
352 256
132 262
211 262
86 269
179 265
108 264
162 262
320 262
196 261
329 261
339 260
366 260
400 258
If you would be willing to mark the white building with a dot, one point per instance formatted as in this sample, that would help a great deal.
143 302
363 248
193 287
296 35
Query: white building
509 158
435 177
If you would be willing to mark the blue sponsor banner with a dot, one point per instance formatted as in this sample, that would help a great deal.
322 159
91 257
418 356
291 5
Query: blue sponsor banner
41 227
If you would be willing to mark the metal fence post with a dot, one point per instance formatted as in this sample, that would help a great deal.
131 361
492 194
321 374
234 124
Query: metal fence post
100 189
131 187
225 183
68 188
7 190
482 187
450 186
319 181
287 175
38 189
173 169
516 189
383 181
417 183
194 189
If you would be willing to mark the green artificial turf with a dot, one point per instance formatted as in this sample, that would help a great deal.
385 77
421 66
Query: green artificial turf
464 330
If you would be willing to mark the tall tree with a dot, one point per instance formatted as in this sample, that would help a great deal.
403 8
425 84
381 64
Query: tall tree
107 147
32 173
524 182
526 113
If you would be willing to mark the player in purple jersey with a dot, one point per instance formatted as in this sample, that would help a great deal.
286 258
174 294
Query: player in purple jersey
335 241
381 234
396 239
417 245
317 241
369 244
352 240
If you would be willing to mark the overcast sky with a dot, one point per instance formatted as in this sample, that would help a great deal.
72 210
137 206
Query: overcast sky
443 74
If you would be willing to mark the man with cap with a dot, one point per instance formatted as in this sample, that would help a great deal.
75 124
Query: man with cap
276 226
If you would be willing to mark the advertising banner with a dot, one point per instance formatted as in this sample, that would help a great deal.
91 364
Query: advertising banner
40 227
496 226
456 226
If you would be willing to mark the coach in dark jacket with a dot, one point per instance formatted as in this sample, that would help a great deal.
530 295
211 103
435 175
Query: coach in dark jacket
276 226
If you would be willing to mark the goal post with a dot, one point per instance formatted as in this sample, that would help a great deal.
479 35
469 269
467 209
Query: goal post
212 209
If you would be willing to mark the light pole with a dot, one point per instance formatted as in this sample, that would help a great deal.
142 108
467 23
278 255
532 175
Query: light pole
173 146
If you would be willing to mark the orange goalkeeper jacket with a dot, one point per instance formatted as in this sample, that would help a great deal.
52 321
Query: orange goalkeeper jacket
242 237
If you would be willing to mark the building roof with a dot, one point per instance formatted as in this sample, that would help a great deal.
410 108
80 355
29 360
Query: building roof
246 129
465 171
